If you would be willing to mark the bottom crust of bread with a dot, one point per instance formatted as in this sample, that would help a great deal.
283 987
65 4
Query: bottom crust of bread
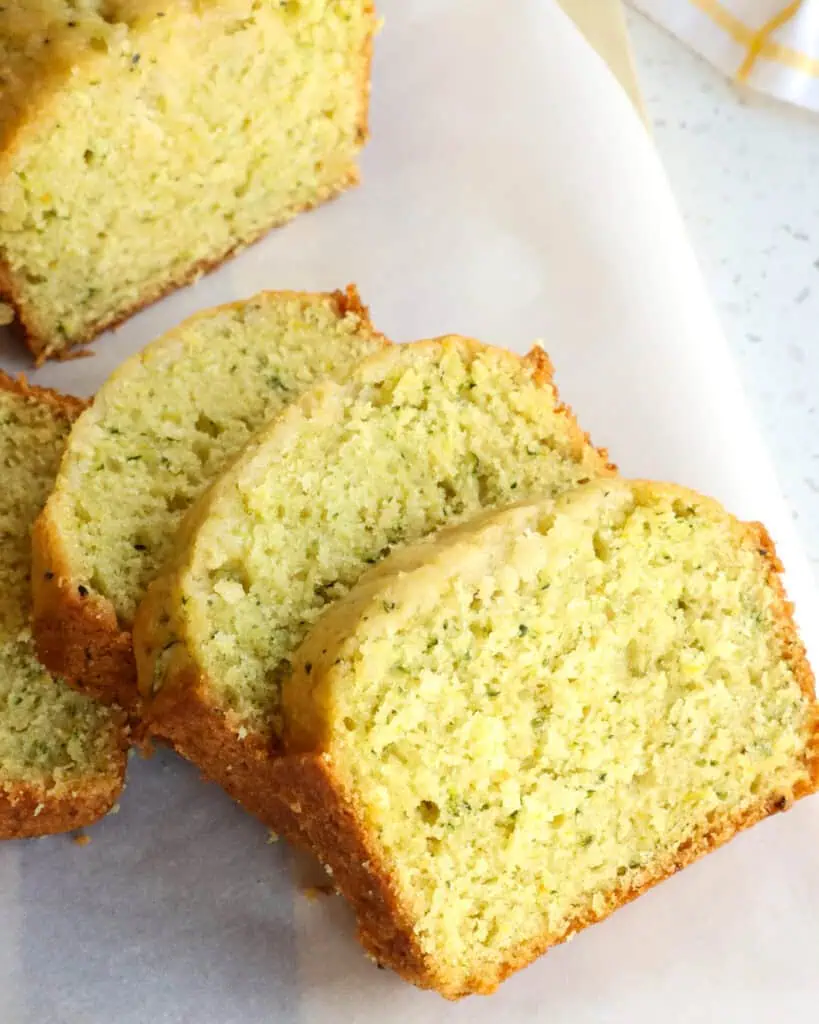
336 836
76 633
40 345
247 767
28 811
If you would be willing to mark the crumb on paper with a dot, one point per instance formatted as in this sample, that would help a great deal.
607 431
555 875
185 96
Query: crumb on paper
80 839
272 837
115 809
6 315
73 353
313 892
142 747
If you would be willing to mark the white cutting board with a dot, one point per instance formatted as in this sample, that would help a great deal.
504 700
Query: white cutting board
511 193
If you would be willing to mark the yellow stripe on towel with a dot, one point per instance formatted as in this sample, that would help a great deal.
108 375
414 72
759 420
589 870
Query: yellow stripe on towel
763 36
757 43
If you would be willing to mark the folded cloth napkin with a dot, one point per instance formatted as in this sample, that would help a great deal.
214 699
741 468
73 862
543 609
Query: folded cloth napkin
770 45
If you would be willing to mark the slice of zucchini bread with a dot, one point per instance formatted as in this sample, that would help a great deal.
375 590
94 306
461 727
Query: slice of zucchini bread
167 421
419 436
62 755
144 141
499 737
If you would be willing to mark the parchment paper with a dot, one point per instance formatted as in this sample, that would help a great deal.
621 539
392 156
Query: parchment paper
512 193
603 23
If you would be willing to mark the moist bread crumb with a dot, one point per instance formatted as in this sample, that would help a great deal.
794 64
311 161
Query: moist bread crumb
142 143
418 436
500 737
162 426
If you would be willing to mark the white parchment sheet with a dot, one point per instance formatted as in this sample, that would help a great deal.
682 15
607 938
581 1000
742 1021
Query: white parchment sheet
511 193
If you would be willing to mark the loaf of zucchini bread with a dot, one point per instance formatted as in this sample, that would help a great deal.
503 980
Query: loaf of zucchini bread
500 737
167 421
62 755
418 436
143 141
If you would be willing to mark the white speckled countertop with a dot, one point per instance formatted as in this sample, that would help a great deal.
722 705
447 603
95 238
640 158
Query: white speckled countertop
745 171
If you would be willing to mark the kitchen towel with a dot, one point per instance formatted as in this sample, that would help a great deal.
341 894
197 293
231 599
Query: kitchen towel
769 45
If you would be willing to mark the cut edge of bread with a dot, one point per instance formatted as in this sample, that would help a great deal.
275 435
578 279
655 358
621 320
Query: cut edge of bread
76 630
28 810
243 763
329 821
181 713
244 766
40 345
24 325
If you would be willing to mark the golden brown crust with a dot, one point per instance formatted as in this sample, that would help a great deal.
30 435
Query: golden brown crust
67 407
76 632
245 768
339 839
543 373
27 811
